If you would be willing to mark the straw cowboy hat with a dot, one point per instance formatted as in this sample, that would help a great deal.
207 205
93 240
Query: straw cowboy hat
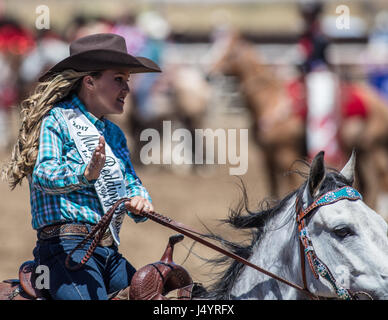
100 52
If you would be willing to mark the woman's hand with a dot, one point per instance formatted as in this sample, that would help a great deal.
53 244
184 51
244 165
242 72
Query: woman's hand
97 162
138 204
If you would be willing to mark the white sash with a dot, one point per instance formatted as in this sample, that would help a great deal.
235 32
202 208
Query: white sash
110 185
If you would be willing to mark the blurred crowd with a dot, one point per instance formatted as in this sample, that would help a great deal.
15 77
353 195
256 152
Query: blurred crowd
27 53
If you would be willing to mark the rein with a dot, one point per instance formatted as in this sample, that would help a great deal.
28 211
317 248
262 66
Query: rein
306 248
99 230
195 235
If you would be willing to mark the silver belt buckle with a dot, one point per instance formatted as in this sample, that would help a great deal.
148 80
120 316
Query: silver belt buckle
107 239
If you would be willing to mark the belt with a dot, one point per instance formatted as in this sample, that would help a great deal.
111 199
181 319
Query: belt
73 229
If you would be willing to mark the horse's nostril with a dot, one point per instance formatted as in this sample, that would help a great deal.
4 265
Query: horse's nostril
362 295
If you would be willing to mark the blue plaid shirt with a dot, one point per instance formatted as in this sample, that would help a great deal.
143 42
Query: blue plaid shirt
59 192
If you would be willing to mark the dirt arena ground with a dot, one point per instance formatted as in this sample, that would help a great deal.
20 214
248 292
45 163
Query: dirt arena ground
184 196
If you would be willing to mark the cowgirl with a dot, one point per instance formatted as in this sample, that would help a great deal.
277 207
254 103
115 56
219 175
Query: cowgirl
78 164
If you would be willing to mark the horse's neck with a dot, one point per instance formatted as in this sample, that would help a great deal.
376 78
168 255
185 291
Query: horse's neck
252 71
251 67
261 88
277 252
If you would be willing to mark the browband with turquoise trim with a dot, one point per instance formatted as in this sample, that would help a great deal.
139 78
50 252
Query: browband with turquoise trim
330 197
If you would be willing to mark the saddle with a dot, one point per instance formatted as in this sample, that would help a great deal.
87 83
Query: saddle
161 280
151 282
22 288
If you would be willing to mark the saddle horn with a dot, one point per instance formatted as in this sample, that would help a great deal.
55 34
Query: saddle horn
168 253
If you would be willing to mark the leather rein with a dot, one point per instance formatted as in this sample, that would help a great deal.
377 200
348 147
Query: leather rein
306 248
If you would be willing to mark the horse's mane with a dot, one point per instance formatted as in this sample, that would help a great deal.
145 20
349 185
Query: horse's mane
242 217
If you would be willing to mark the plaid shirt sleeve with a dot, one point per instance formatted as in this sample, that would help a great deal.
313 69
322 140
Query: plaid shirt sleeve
52 174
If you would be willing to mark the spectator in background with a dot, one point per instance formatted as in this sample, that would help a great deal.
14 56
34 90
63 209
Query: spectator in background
50 48
313 42
93 25
133 35
321 85
15 42
83 25
155 30
71 30
377 54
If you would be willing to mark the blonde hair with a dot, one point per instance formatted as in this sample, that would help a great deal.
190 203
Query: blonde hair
33 110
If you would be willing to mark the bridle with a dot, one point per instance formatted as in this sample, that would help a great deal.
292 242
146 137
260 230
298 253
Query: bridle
306 246
307 250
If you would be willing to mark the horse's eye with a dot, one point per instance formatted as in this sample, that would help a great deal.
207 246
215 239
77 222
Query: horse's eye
343 232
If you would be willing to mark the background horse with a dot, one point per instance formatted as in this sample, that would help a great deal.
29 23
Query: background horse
347 236
278 127
364 127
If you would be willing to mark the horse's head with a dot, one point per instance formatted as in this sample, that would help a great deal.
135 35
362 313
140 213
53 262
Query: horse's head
347 235
265 94
231 55
345 241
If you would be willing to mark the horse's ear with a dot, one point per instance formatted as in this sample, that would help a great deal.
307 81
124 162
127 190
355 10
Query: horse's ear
317 174
348 170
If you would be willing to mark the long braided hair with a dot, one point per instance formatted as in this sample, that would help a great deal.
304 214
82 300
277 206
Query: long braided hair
33 110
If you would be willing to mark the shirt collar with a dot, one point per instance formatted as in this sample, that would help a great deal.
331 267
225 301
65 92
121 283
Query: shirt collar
99 123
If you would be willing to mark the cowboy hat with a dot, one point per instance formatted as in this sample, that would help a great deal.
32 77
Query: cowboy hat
100 52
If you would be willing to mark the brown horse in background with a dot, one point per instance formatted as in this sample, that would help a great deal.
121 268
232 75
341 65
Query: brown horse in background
278 109
277 124
365 129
